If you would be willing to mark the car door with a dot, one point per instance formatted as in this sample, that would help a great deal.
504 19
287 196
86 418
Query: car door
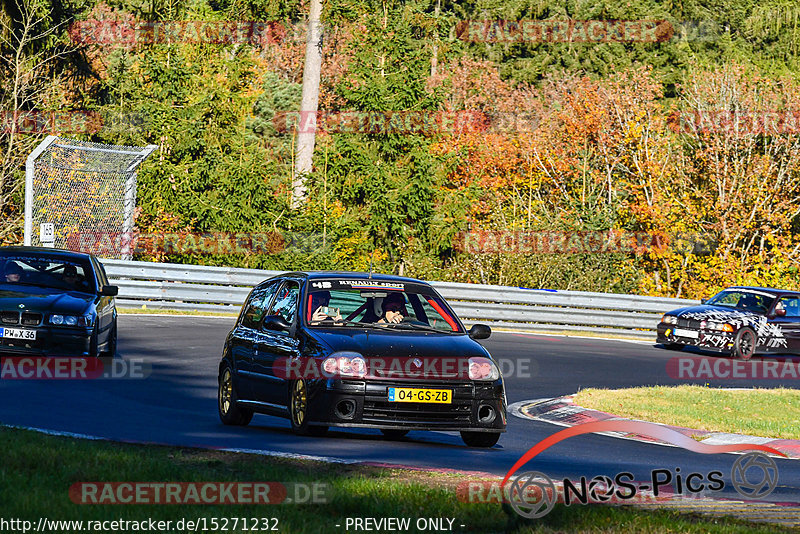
274 345
105 304
789 323
243 339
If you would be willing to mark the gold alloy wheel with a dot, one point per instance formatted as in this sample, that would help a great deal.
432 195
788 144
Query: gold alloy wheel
225 392
299 403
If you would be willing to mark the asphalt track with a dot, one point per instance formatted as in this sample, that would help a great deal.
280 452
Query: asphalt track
176 405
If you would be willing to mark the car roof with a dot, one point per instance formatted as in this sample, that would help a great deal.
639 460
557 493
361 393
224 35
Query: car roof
765 290
320 275
45 251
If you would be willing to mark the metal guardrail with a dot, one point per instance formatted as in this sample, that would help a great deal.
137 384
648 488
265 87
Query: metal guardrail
224 289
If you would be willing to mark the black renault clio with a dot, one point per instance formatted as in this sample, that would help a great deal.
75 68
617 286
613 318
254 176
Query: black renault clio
359 350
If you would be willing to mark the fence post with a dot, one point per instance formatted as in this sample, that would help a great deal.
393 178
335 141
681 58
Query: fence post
130 204
29 167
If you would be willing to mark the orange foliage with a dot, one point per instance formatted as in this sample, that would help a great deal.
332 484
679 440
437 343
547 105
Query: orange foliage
605 154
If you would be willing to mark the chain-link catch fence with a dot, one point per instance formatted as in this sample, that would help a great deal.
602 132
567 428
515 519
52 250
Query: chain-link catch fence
78 188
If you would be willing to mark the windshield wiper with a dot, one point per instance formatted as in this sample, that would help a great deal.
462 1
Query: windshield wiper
415 326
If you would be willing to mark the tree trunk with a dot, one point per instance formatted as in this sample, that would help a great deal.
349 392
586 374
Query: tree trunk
435 55
307 125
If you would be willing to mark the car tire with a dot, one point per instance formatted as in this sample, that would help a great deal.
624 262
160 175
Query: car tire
93 344
230 413
393 433
298 410
672 346
480 439
111 347
744 344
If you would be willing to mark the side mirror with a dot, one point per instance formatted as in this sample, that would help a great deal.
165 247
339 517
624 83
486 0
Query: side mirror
479 331
703 301
109 291
276 322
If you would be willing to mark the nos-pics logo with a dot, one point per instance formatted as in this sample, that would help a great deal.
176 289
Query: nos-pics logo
533 494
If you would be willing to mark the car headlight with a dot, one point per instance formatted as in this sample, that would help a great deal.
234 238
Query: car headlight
722 327
345 365
669 319
72 320
481 368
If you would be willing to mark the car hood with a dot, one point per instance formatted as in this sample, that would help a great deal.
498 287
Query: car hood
720 314
372 342
45 300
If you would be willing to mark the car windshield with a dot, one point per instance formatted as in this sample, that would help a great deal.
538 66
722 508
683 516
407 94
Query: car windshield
752 301
378 304
42 271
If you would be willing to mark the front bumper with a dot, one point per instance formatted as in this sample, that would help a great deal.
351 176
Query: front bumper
476 406
706 339
50 341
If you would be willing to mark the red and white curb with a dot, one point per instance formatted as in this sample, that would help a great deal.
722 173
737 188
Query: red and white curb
563 411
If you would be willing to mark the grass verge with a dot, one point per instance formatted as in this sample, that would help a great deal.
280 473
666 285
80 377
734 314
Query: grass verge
38 470
770 413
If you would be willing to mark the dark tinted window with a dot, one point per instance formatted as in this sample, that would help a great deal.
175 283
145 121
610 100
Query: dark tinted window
286 301
346 299
45 271
791 305
257 304
101 273
743 299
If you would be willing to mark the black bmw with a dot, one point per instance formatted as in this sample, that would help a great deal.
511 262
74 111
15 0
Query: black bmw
353 350
740 321
55 303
